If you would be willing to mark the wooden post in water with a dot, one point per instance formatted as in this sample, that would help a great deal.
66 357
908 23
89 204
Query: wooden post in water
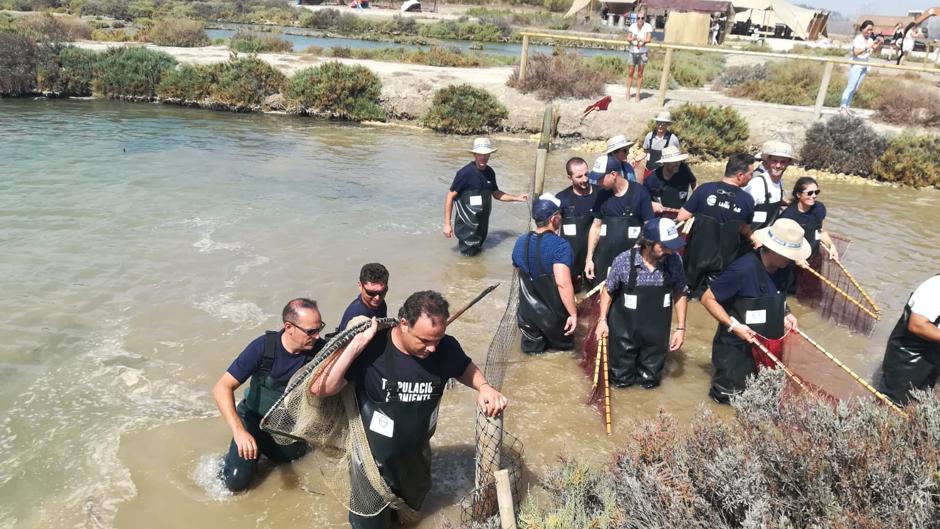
524 58
507 513
541 155
664 78
823 90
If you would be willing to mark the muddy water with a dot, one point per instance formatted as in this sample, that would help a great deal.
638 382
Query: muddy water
144 246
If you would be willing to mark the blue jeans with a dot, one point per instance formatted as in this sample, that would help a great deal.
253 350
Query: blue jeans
856 74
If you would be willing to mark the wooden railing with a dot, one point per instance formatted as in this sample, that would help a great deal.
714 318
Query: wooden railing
830 62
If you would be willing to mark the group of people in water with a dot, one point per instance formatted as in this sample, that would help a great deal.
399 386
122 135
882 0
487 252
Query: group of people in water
619 227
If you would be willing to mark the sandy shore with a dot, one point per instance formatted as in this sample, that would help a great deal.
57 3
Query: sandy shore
407 91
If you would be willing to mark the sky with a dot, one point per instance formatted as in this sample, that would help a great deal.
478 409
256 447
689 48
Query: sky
854 8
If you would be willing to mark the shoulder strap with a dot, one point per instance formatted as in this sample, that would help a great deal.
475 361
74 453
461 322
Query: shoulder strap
538 253
760 273
631 276
270 351
666 138
763 177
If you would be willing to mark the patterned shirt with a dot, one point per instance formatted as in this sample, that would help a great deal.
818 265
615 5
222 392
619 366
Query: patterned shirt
620 273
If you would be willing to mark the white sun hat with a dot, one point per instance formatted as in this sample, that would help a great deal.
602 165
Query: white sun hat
482 146
619 141
776 148
664 117
785 237
672 154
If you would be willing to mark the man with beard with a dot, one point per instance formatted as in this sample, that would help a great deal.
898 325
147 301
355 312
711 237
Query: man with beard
766 186
473 189
577 205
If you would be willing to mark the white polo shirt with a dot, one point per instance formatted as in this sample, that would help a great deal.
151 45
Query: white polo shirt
926 299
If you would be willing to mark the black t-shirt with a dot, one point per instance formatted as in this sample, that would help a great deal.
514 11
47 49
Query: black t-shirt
469 178
637 198
358 308
418 379
681 181
249 361
814 217
743 277
721 201
573 205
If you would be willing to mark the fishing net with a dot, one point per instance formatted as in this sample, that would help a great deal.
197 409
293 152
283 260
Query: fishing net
496 448
333 425
589 311
834 293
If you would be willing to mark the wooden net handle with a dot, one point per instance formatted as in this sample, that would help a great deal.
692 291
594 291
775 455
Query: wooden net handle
843 293
858 286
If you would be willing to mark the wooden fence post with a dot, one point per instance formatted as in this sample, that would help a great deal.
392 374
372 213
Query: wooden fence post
507 513
823 90
664 79
524 59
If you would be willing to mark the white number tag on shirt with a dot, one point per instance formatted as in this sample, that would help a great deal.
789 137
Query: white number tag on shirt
629 300
755 317
603 230
633 232
818 235
382 424
760 216
683 194
667 300
476 200
570 229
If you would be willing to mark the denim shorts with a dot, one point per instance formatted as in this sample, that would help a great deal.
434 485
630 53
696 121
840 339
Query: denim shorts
639 59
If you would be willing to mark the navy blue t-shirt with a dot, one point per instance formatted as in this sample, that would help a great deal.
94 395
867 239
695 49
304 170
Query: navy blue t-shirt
721 201
614 206
358 308
554 250
246 363
469 178
574 205
815 216
681 181
417 378
740 279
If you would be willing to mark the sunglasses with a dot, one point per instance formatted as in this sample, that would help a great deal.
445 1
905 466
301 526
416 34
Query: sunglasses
309 332
376 293
812 193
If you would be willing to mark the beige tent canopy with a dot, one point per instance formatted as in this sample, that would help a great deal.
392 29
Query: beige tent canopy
772 12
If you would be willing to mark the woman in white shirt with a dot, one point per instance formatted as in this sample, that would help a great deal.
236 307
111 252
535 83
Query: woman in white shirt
862 48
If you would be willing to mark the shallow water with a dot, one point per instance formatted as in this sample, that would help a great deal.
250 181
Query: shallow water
144 246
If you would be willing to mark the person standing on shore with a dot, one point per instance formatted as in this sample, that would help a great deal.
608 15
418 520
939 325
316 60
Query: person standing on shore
577 206
658 139
639 35
912 355
373 286
766 186
269 361
473 189
547 315
862 48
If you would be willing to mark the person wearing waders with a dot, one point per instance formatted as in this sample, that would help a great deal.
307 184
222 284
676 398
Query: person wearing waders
399 375
766 187
749 299
547 314
473 190
672 182
620 210
912 355
658 139
644 284
373 286
577 205
269 361
721 227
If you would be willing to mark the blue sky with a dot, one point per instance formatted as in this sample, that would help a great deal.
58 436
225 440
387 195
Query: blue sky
853 8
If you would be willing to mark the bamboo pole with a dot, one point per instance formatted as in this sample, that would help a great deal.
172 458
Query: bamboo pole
858 286
507 513
597 366
823 89
664 78
524 58
603 352
842 292
472 302
851 373
779 364
593 291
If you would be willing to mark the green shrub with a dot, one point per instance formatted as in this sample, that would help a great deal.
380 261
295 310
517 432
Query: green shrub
71 72
561 74
797 83
689 69
456 30
339 91
132 72
710 131
19 58
250 42
45 27
911 160
177 32
842 145
244 84
188 84
464 109
117 35
910 104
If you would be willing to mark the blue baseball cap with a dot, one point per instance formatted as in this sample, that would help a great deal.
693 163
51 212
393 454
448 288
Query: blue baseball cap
603 165
663 231
545 206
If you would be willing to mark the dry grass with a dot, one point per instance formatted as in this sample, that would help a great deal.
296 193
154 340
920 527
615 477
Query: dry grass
561 74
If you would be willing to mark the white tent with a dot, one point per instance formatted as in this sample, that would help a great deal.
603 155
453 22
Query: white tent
578 5
773 12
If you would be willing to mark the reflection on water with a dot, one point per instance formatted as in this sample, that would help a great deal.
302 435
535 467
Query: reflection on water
145 246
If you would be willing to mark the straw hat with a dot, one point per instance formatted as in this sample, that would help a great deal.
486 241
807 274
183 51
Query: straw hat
664 117
482 146
617 142
785 237
672 154
776 148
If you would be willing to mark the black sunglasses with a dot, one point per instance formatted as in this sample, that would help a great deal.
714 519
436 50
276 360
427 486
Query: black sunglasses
812 193
309 332
376 293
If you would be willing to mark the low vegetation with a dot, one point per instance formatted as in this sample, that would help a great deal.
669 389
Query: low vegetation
247 11
344 23
842 145
710 131
245 83
131 73
339 91
560 74
464 109
188 84
781 461
433 56
256 42
910 104
69 72
910 160
180 32
19 57
46 27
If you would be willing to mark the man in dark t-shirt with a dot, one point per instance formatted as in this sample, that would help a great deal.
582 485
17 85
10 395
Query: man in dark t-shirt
399 376
577 214
373 286
269 361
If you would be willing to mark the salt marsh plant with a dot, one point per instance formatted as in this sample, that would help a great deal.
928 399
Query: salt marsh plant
339 91
464 109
